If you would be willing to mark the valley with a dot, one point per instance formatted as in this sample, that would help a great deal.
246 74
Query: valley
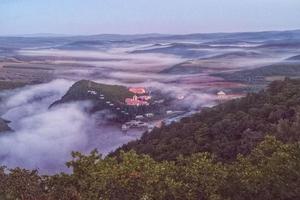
86 88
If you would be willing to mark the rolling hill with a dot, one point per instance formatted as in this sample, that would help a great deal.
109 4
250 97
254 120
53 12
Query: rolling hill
184 68
296 58
258 75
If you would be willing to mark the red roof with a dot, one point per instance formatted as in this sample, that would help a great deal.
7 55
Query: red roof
137 90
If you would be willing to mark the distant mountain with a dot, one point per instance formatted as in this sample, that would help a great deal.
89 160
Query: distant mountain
237 54
285 43
187 50
272 38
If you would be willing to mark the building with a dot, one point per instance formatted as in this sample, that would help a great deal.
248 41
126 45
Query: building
135 98
221 93
139 117
169 112
144 98
137 90
180 97
149 115
92 92
124 127
135 102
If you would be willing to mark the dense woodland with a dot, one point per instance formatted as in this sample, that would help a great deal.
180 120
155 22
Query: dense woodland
244 149
230 128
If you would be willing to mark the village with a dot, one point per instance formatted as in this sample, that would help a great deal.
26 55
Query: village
146 121
142 98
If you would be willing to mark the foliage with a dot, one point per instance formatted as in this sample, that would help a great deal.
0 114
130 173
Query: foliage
228 129
270 171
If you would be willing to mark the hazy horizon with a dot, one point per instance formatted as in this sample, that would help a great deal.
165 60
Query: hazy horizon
133 34
75 17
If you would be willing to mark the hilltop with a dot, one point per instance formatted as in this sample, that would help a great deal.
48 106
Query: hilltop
89 90
103 97
106 97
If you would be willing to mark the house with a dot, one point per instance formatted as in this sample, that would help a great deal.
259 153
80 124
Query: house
221 93
135 97
92 92
144 98
139 117
135 102
159 101
124 127
149 115
180 97
137 90
169 112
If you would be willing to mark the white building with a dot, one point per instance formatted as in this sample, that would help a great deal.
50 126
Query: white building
149 115
92 92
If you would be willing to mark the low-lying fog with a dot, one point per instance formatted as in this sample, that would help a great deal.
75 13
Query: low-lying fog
44 138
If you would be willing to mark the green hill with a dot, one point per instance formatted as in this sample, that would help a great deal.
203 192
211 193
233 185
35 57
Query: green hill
230 128
105 97
79 91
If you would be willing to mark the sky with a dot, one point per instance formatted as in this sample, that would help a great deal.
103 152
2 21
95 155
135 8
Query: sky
86 17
